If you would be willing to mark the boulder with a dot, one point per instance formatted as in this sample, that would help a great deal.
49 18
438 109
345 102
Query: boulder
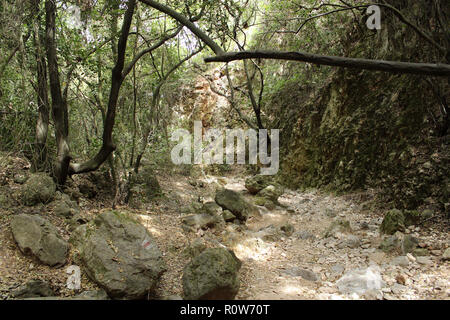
39 188
393 221
212 275
257 183
119 254
65 207
446 255
38 237
271 193
234 202
33 288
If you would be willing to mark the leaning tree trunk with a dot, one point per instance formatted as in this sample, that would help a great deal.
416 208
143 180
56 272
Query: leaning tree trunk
59 105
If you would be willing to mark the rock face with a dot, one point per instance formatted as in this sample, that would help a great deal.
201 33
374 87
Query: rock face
37 236
234 202
393 221
39 188
256 183
212 275
119 255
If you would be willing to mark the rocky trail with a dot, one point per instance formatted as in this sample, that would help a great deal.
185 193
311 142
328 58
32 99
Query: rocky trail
291 244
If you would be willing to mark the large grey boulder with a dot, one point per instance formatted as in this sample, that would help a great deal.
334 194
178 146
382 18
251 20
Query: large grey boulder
38 237
39 188
119 254
234 202
212 275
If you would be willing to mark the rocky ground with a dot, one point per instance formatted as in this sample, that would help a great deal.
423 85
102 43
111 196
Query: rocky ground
306 245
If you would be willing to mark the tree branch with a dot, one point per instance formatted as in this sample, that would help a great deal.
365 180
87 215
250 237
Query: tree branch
442 70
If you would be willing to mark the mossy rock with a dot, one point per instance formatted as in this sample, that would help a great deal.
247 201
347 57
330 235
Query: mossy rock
393 221
39 188
212 275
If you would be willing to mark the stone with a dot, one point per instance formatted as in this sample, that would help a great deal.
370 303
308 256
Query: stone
393 221
360 281
212 275
304 273
92 295
271 193
33 288
329 213
425 260
390 244
257 183
65 208
338 225
199 221
402 261
409 243
39 188
234 202
287 229
195 248
119 254
352 241
446 255
37 236
420 252
228 215
304 235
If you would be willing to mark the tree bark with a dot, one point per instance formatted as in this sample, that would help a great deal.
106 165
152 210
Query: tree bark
59 106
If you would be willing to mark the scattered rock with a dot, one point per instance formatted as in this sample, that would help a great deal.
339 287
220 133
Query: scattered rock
234 202
338 225
351 241
257 183
425 260
360 281
304 273
393 221
92 295
33 288
39 188
119 254
37 236
446 255
304 235
199 221
228 215
287 229
409 243
65 207
271 193
390 244
402 261
212 275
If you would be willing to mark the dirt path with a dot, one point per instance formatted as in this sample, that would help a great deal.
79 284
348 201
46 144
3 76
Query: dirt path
305 265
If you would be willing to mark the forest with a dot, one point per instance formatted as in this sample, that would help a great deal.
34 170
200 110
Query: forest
224 150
